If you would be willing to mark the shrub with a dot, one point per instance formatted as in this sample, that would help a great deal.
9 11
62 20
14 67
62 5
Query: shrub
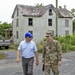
73 40
61 39
40 48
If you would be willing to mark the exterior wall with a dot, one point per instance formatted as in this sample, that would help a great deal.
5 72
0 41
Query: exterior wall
19 28
40 26
62 28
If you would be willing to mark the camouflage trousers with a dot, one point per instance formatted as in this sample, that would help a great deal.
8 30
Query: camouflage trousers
54 68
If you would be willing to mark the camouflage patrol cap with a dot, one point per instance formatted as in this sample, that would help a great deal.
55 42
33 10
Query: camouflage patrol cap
48 33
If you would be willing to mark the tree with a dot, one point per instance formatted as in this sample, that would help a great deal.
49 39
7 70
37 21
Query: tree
64 6
73 12
3 26
73 25
37 5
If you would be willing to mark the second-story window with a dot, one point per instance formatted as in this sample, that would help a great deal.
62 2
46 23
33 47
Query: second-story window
49 22
30 21
17 20
50 12
66 23
31 32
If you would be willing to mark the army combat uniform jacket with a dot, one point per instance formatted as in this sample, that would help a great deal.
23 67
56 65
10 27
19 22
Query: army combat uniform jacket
51 52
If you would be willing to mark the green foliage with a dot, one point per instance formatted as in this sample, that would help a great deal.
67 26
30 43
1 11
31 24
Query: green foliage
38 5
73 25
73 40
2 56
3 26
61 39
39 48
67 43
13 46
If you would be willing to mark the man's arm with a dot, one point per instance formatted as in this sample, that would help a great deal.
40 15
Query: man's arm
36 55
18 56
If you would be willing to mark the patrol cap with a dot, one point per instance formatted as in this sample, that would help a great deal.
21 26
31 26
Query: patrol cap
28 34
48 33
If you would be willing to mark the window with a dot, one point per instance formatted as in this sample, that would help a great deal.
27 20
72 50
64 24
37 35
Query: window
17 12
30 22
17 35
31 32
51 32
66 23
17 22
66 32
50 12
49 22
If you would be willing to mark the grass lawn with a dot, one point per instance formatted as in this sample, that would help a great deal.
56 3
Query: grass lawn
2 56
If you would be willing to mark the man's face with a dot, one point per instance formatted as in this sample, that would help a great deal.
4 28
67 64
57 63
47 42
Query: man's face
49 38
28 39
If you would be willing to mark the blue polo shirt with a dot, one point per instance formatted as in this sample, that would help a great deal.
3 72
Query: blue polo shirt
27 49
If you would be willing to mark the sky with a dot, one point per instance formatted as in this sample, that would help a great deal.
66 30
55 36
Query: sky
7 6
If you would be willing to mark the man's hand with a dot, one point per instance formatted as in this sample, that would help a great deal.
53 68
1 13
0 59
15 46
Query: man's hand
37 63
17 60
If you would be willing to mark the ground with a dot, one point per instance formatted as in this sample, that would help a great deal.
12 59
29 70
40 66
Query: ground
9 66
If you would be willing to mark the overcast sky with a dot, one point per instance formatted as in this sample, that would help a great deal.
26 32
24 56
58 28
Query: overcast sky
7 6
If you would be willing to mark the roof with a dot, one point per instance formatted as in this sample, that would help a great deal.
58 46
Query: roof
9 29
38 11
64 13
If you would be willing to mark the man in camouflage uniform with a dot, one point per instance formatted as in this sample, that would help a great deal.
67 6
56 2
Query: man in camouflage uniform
51 55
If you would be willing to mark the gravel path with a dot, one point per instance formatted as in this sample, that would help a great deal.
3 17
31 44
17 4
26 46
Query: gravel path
9 66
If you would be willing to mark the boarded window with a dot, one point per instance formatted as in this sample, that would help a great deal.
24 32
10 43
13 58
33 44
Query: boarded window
66 32
66 23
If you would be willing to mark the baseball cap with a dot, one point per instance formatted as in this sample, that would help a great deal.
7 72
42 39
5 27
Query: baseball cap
28 34
48 33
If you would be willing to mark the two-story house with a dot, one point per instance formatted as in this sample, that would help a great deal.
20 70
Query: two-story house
38 20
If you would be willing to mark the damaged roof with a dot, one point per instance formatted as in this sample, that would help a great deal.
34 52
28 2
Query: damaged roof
38 11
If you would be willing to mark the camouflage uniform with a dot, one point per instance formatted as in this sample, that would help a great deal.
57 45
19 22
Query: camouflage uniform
51 56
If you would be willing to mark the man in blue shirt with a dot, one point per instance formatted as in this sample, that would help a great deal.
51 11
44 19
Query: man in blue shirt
28 50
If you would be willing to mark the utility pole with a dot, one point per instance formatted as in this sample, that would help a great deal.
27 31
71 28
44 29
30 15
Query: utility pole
56 19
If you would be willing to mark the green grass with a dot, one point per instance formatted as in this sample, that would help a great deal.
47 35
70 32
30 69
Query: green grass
2 56
13 46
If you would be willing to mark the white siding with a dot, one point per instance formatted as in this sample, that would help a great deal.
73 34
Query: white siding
40 26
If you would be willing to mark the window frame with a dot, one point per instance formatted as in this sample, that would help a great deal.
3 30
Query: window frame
66 23
30 21
50 11
17 34
49 22
66 32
